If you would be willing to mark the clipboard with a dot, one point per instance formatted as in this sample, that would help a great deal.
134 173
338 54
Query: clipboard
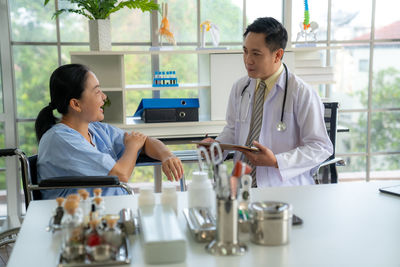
393 190
225 146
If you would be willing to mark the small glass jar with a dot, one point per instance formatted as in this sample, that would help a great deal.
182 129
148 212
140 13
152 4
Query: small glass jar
100 206
97 192
59 212
85 205
93 235
112 235
72 224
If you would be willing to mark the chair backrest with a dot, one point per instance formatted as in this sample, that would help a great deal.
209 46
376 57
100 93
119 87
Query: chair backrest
330 117
33 177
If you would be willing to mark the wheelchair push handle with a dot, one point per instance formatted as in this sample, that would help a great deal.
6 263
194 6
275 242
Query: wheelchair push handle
6 152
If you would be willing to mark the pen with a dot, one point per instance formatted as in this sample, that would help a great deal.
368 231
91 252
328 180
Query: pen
206 135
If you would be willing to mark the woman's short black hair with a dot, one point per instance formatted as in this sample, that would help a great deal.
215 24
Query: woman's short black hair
275 34
66 82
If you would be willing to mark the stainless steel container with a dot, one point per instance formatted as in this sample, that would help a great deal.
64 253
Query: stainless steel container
271 223
227 241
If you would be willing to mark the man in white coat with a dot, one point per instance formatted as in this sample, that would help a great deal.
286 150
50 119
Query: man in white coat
289 131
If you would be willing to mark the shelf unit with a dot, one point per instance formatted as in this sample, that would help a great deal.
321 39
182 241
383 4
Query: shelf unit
110 70
217 70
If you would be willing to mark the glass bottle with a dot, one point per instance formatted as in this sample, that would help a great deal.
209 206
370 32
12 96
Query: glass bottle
76 197
97 192
72 224
100 206
59 212
85 205
112 235
93 237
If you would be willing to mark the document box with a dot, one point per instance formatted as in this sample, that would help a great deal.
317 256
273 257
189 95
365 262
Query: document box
168 109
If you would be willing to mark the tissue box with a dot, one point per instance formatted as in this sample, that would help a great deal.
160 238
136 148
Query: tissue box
163 241
168 109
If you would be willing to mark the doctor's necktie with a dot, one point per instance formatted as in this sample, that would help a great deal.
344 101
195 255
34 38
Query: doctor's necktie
255 124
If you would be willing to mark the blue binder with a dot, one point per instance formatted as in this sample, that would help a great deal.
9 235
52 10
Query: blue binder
168 109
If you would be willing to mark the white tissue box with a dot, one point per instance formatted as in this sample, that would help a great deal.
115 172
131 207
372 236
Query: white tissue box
163 241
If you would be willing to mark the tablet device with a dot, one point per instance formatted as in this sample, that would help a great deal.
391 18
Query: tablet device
393 190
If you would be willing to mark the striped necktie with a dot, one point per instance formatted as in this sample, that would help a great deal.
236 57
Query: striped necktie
255 124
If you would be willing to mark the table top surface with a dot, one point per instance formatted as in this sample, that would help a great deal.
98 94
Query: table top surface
346 224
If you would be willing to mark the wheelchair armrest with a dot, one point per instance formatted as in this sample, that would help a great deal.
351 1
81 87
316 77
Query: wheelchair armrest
337 161
80 181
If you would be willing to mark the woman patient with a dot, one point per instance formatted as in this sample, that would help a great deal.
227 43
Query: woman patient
80 145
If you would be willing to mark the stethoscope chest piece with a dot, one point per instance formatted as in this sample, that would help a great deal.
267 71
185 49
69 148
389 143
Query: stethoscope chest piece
281 126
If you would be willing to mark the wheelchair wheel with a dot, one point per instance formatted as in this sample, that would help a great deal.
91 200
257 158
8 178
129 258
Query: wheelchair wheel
7 240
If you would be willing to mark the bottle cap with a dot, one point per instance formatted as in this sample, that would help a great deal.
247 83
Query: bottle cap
71 205
73 197
199 176
59 200
146 190
85 195
98 200
97 192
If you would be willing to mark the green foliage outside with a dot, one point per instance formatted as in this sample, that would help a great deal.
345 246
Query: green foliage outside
1 91
385 126
2 160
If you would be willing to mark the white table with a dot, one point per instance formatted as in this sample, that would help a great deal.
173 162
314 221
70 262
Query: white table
348 224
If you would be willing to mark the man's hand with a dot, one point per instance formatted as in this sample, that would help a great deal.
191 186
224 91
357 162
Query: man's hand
265 157
208 140
172 167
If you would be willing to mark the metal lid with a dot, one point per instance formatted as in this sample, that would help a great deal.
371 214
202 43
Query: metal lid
270 210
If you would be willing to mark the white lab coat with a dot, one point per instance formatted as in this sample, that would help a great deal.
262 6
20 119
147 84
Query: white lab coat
300 148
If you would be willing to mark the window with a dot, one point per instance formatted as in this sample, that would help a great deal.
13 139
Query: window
370 147
363 65
1 88
366 87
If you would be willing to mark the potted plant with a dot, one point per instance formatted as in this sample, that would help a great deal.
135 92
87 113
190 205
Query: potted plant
98 12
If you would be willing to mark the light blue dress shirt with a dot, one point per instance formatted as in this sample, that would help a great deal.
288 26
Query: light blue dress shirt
65 152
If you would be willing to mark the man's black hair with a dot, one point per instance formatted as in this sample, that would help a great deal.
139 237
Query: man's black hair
276 34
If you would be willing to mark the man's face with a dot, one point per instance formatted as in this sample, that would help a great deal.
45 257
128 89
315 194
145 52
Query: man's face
258 59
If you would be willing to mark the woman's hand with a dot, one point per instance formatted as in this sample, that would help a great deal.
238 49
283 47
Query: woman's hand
134 140
172 167
265 157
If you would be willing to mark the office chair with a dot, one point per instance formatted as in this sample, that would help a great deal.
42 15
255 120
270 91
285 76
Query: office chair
328 167
32 187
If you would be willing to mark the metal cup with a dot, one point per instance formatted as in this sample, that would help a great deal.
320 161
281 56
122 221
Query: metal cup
227 242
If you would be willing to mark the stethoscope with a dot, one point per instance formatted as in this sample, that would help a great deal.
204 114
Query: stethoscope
281 126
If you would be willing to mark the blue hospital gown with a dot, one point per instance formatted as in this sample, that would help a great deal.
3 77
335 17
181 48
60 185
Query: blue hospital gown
65 152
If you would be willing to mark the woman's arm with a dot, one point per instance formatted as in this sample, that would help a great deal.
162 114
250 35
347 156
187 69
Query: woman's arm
123 168
171 165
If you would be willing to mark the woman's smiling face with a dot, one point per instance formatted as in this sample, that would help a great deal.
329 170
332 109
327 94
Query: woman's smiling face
92 99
